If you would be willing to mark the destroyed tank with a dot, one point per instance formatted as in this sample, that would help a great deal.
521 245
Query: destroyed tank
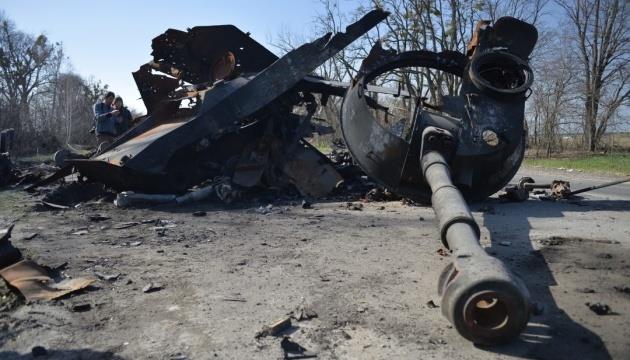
466 147
241 124
222 106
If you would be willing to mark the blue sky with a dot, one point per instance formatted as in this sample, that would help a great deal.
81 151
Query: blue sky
110 39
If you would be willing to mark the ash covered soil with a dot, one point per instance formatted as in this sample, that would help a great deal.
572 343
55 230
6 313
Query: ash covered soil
369 273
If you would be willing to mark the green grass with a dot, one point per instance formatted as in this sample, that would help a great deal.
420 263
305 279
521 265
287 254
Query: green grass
613 164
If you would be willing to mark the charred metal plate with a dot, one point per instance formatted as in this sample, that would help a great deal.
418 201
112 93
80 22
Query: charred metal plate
311 172
195 52
379 152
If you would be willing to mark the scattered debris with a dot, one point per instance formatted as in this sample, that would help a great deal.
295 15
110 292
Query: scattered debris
443 252
81 307
199 213
97 217
432 305
264 210
303 311
55 206
126 225
60 266
80 232
275 328
30 236
381 194
293 350
306 205
234 299
505 243
68 195
435 341
552 241
152 287
599 308
585 290
623 289
129 198
107 277
34 282
354 206
556 190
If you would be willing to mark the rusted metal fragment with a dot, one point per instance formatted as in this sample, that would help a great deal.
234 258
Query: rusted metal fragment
34 282
154 88
275 328
560 189
311 172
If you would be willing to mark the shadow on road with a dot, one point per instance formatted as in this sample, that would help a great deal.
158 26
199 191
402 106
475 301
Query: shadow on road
552 334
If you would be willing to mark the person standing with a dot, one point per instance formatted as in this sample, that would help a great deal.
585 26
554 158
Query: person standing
104 121
123 120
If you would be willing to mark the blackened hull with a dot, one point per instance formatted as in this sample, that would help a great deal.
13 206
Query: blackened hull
178 179
381 154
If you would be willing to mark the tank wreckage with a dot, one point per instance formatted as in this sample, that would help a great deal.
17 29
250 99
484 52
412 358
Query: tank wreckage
248 112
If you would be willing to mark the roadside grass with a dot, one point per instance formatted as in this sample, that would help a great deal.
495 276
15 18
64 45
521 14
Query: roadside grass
610 164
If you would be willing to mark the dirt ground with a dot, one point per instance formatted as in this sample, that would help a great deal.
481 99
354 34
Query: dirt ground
368 274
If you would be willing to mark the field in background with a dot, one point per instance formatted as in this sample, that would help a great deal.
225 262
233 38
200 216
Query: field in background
610 164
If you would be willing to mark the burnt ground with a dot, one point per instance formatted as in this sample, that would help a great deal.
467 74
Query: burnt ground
369 275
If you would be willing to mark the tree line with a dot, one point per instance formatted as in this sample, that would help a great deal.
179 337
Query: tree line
46 104
581 61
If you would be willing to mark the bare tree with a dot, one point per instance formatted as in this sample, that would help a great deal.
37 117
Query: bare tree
552 95
48 107
600 29
27 65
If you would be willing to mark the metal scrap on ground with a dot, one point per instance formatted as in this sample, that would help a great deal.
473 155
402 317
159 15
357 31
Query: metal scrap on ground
556 190
33 281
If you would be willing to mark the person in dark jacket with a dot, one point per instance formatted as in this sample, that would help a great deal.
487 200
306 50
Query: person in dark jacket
104 121
123 120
